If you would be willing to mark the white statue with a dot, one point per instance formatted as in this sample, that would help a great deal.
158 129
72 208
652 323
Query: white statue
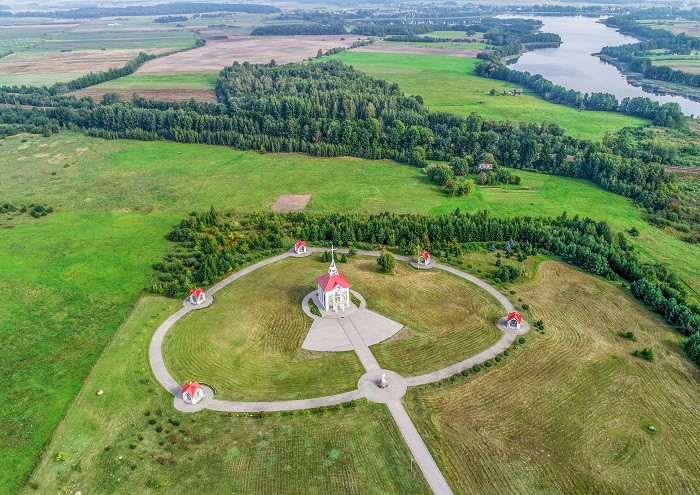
383 383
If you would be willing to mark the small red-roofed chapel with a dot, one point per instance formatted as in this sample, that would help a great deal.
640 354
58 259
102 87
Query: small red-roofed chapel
514 320
197 296
192 392
300 247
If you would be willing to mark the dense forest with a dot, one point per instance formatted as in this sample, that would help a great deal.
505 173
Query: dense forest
634 57
330 109
174 8
210 245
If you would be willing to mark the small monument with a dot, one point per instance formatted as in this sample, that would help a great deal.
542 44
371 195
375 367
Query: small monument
383 383
300 247
424 258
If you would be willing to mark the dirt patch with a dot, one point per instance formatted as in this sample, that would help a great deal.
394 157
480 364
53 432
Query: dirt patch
78 61
419 50
217 54
291 202
159 94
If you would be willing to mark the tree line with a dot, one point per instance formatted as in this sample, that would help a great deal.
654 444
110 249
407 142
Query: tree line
666 115
331 109
211 245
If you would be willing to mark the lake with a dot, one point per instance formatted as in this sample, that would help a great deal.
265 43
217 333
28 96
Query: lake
573 66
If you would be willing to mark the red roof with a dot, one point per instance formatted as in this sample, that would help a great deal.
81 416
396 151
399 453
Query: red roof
425 255
196 292
299 243
515 315
191 388
328 282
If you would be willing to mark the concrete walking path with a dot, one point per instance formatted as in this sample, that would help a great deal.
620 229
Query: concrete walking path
421 454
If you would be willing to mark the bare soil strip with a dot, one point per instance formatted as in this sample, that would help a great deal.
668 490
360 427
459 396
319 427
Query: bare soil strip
217 54
291 202
160 94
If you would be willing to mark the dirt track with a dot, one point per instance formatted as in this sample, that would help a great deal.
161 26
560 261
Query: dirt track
160 94
217 54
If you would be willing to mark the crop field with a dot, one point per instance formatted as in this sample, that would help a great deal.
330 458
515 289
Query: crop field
570 411
448 84
441 49
45 54
691 65
217 54
131 439
80 268
168 87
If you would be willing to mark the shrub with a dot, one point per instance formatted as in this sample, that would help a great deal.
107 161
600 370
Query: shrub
156 482
465 373
162 460
488 364
151 421
159 429
453 378
628 335
506 352
476 368
646 354
507 273
521 340
498 359
313 308
386 262
526 306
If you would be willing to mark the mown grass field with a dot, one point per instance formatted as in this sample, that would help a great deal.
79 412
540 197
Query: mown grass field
570 411
248 346
446 318
69 279
448 84
107 445
205 80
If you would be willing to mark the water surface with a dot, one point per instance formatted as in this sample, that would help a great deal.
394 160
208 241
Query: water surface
574 66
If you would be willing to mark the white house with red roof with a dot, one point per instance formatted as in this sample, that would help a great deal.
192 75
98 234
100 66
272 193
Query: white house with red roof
192 392
424 258
514 319
333 289
197 296
300 247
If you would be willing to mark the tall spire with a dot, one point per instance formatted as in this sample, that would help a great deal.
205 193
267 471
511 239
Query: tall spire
332 270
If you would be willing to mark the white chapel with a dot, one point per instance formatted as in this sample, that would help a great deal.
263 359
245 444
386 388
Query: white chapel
333 289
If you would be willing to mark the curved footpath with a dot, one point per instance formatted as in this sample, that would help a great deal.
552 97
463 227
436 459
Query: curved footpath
367 386
170 384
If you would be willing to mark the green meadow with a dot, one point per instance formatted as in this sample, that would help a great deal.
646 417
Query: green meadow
187 80
81 268
448 84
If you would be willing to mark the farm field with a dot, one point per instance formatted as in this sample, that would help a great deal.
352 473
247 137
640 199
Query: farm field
681 63
448 84
570 411
82 266
217 54
350 450
50 53
169 87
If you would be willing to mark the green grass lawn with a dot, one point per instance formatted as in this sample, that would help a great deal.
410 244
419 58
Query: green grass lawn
448 84
205 80
446 318
248 345
107 444
78 270
570 411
